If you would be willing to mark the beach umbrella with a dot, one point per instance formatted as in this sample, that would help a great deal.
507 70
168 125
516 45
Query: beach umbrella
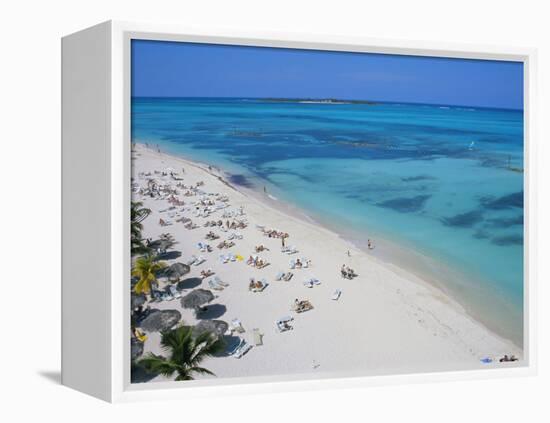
138 300
160 320
188 283
217 327
177 270
136 348
197 298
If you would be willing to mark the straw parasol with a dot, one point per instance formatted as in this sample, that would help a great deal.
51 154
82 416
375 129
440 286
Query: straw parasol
217 327
137 300
136 348
177 270
160 320
197 298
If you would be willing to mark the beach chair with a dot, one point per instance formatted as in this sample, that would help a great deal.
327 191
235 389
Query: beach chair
283 324
292 250
140 336
237 326
293 264
243 350
192 260
279 276
214 285
336 294
315 281
302 306
200 260
174 292
220 282
288 276
264 285
257 337
166 296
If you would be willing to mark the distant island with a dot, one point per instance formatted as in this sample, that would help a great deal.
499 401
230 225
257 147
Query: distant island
317 100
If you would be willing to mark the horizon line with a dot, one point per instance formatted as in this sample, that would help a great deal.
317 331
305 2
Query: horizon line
333 98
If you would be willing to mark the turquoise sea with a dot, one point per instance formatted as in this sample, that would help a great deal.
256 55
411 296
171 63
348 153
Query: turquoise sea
443 182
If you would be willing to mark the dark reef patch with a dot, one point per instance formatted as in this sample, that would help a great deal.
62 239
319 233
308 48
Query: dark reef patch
481 234
504 202
240 180
464 220
505 222
418 178
508 240
405 204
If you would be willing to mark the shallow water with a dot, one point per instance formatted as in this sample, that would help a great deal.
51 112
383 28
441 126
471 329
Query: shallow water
446 181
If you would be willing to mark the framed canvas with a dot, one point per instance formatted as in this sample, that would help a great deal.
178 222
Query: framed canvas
264 212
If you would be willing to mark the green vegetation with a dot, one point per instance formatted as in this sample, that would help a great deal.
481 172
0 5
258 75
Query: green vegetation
137 214
146 269
185 353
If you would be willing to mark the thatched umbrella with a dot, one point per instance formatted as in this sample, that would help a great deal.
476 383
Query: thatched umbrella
217 327
177 270
197 298
160 320
136 348
188 283
137 300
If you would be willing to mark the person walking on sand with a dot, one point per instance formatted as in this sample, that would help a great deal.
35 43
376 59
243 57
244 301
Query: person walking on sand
283 241
349 254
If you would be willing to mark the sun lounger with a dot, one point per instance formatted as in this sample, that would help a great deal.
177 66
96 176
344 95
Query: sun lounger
243 350
292 264
214 285
174 292
220 282
279 276
263 286
302 306
200 260
257 337
288 276
312 281
336 294
237 326
166 296
238 347
224 258
283 323
192 260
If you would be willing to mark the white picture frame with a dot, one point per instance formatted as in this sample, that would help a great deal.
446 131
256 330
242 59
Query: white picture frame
96 161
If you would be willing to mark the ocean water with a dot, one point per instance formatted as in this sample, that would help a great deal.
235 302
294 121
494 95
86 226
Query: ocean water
445 182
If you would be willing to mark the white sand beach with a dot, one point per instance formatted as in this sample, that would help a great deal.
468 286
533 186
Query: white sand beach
386 319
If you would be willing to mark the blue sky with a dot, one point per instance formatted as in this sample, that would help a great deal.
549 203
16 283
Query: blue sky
175 69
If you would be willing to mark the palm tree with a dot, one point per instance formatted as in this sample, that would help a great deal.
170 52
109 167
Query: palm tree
137 215
146 269
185 353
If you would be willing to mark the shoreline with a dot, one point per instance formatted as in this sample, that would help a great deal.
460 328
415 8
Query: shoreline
426 272
446 305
